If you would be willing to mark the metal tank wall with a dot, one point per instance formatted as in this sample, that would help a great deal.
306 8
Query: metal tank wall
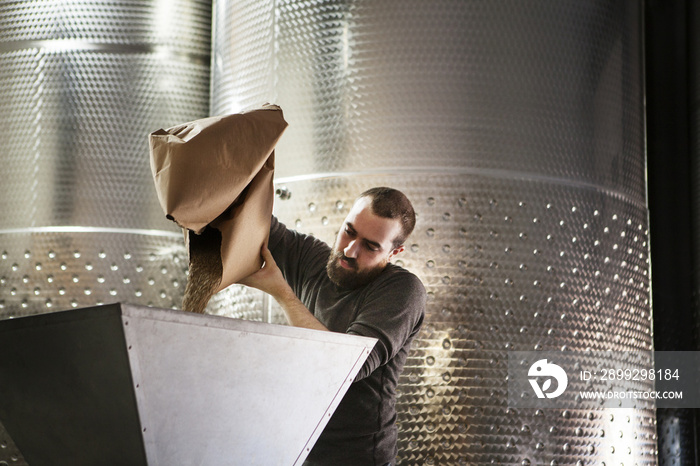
517 130
82 83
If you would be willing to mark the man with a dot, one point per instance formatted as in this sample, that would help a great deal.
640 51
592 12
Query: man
353 288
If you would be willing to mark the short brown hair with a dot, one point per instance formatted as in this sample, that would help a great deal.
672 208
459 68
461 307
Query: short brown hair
392 203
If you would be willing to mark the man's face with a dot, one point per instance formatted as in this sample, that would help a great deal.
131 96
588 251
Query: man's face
363 246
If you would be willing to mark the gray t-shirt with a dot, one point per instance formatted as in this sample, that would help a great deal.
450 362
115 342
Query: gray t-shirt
363 429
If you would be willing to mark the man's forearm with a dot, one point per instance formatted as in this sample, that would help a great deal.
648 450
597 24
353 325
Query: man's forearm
269 279
297 314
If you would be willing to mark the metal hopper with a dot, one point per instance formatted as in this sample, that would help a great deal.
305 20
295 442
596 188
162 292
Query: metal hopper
125 384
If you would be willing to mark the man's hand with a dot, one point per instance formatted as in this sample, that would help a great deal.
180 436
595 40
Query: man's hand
270 280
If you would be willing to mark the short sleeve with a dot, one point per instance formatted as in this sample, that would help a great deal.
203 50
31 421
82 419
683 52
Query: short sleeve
392 313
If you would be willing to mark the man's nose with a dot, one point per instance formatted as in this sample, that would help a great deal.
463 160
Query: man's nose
351 250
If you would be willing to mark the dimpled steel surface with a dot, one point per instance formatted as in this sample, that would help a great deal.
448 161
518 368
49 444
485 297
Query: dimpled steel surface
517 130
82 84
509 265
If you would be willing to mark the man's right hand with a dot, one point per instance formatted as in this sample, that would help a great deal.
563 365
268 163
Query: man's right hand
269 279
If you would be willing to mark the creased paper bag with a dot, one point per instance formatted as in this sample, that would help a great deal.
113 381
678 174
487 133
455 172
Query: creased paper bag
214 178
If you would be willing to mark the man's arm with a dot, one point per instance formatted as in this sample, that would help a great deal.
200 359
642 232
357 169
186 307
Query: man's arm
393 314
269 279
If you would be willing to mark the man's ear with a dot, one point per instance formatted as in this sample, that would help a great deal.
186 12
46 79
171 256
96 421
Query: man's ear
396 251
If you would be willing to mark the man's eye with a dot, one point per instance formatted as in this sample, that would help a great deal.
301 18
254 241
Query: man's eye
349 232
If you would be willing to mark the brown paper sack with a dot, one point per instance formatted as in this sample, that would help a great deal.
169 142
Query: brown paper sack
214 178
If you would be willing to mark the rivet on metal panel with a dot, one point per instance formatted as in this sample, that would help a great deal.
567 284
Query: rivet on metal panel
283 193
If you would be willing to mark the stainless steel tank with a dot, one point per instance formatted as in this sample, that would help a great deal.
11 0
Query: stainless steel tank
82 83
517 130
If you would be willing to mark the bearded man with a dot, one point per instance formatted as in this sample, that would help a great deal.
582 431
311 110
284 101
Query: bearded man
353 288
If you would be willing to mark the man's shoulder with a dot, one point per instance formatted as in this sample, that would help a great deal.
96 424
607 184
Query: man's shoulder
394 270
280 234
400 278
300 257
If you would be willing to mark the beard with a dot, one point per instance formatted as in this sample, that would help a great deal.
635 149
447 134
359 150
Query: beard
346 278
